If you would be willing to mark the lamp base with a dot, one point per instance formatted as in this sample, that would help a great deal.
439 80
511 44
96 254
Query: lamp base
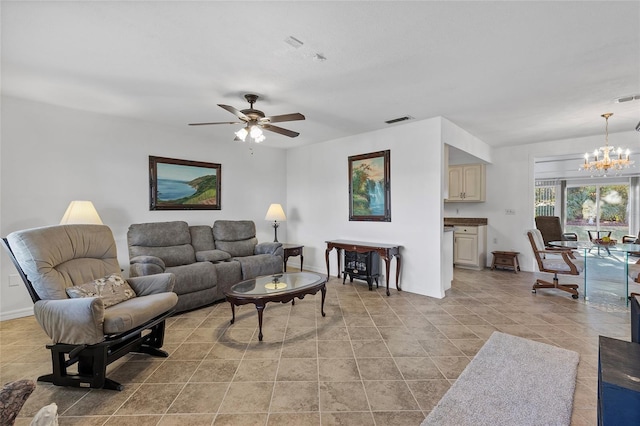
275 231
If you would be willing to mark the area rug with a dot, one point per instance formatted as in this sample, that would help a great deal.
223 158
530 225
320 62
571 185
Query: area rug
511 381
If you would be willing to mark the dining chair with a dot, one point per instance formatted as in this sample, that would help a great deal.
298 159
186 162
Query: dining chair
558 261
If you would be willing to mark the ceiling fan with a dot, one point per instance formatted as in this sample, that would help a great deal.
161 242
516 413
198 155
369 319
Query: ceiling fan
255 120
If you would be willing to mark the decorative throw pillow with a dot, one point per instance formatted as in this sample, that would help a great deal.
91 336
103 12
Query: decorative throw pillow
112 289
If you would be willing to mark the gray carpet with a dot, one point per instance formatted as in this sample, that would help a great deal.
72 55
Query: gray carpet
511 381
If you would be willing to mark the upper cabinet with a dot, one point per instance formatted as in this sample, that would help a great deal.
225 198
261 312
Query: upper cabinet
467 183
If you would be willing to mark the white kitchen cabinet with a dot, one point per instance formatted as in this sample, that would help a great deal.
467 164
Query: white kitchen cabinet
467 183
470 246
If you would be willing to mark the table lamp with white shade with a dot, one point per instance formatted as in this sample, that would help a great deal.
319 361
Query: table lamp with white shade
81 212
276 214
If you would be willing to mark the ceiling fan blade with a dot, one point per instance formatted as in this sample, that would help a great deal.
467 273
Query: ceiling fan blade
280 130
219 122
284 117
235 112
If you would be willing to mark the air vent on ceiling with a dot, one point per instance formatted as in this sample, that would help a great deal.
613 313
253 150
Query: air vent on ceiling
628 98
293 42
397 120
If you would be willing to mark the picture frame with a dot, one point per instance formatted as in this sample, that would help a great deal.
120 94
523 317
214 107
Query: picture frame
370 187
176 184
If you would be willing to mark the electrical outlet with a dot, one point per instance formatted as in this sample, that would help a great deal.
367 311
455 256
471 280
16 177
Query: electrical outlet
14 280
509 212
495 241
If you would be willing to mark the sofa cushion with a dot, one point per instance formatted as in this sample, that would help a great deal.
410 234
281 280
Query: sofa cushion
170 241
112 289
201 238
233 230
193 277
171 256
159 234
212 256
260 264
238 248
237 237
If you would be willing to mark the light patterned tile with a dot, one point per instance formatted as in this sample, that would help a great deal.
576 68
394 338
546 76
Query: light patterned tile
387 351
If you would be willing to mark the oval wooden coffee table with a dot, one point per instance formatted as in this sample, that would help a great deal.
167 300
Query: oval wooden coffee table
282 288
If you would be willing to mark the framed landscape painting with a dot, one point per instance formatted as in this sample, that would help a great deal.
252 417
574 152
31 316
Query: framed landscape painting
370 187
183 185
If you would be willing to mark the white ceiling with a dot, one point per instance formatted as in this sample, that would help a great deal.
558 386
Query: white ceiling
509 72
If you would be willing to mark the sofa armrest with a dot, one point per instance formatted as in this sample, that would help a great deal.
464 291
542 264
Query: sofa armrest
152 284
72 321
269 248
146 265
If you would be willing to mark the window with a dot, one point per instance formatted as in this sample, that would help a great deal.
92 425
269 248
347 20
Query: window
545 198
599 207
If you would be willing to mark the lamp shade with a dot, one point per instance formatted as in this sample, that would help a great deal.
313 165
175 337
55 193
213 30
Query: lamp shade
275 213
81 212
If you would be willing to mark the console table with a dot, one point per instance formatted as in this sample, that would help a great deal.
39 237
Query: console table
386 251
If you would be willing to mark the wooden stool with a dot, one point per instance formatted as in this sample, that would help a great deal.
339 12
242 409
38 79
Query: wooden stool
505 260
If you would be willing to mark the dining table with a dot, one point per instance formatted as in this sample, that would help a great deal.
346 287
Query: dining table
606 272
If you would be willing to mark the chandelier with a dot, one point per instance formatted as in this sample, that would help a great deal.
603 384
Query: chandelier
606 157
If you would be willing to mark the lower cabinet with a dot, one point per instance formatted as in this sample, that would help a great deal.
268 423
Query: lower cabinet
363 266
470 247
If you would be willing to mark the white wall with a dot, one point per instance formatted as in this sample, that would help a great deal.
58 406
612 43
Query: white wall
318 194
510 185
52 155
459 138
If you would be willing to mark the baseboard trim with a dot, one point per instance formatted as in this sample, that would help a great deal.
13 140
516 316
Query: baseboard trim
19 313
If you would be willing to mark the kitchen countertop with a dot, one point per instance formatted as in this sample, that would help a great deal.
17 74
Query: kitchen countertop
465 221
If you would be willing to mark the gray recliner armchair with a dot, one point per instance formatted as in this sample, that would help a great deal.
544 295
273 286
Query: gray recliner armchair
91 313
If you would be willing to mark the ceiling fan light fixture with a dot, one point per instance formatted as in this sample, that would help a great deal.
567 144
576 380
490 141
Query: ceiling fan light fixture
255 132
242 134
255 121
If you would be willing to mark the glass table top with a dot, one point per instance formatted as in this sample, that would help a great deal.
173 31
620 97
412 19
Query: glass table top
606 271
628 248
278 283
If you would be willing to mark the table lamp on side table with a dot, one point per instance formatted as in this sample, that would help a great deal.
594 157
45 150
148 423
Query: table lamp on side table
81 212
276 214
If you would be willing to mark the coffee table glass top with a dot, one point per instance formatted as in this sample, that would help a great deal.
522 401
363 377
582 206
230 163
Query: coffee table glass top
278 283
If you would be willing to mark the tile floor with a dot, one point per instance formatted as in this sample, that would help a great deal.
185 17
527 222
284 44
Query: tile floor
373 360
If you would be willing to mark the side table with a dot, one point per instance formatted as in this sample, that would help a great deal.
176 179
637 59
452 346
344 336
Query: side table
505 260
292 250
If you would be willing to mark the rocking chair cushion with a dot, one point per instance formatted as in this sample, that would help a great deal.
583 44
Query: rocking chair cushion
134 312
112 289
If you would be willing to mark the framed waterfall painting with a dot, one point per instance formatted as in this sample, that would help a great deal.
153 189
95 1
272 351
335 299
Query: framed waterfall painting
183 185
370 187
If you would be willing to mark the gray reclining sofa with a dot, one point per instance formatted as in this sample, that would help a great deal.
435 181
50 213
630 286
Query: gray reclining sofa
205 260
